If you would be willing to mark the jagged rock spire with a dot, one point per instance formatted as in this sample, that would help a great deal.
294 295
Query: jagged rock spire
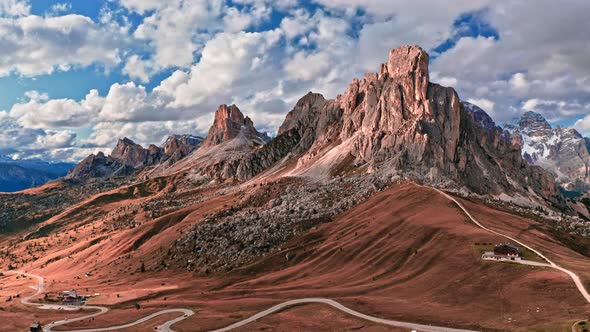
228 124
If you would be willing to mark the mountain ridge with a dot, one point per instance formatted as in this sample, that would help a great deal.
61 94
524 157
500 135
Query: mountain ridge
394 121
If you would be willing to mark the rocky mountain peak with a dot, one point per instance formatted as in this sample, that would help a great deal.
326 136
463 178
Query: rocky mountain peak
534 123
178 146
397 121
560 150
228 124
409 62
303 106
129 153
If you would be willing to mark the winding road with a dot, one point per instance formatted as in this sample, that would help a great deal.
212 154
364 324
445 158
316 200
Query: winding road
551 264
281 306
167 326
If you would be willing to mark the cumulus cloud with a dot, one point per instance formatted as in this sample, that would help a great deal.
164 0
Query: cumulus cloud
141 6
556 110
176 29
219 73
61 8
56 139
39 112
537 59
146 133
21 142
14 8
33 45
136 68
231 52
308 66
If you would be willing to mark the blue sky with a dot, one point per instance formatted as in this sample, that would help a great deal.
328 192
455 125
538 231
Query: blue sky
77 75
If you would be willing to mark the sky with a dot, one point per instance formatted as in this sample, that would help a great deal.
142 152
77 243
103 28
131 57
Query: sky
77 75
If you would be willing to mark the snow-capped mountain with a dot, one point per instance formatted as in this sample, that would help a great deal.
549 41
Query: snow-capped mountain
560 150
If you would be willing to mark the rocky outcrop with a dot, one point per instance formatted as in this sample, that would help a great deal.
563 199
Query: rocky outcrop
179 146
98 166
131 154
295 136
230 123
396 120
562 151
128 157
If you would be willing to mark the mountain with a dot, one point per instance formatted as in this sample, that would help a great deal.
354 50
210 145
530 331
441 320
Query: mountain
21 174
179 146
232 138
230 123
129 157
368 199
562 151
398 123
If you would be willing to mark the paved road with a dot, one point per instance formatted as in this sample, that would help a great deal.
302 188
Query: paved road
166 327
281 306
550 264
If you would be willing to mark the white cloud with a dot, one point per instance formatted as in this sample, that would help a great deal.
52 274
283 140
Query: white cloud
56 113
136 68
141 6
583 125
539 57
21 142
171 83
556 110
134 100
145 133
539 61
176 29
484 104
519 81
219 72
237 20
56 139
33 45
307 66
14 8
61 8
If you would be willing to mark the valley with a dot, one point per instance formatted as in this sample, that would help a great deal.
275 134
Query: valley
332 262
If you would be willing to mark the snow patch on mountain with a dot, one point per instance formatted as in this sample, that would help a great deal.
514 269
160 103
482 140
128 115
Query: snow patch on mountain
560 150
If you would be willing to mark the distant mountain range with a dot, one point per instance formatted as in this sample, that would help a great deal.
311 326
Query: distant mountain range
17 175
